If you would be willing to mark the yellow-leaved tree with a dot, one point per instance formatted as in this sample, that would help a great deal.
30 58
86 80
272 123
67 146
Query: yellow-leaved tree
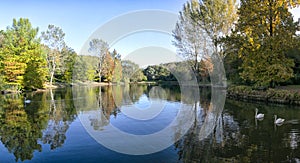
264 33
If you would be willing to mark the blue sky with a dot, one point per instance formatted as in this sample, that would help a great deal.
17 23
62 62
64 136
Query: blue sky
79 19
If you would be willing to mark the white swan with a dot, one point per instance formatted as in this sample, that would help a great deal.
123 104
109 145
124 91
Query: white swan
26 101
278 121
258 116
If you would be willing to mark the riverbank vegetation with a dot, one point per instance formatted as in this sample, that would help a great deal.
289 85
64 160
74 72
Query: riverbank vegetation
270 95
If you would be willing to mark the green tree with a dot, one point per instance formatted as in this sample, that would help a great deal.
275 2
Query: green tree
199 29
54 39
117 76
85 68
138 76
264 33
79 69
20 47
1 58
158 72
67 64
1 38
231 64
35 73
294 54
216 18
131 72
99 48
117 73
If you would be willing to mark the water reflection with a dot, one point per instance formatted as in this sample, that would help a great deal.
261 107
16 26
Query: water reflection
23 126
238 137
232 134
145 126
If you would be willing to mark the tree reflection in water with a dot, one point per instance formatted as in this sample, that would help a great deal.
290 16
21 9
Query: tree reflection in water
23 126
61 115
231 135
110 99
18 133
236 138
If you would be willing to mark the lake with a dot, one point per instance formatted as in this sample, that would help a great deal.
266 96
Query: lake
144 123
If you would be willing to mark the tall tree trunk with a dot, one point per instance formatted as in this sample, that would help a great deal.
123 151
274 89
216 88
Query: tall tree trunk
100 70
51 77
99 76
52 70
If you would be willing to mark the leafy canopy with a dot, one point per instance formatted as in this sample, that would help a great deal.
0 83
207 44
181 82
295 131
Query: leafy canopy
264 33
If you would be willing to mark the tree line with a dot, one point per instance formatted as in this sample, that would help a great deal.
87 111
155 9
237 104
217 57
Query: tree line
256 40
29 60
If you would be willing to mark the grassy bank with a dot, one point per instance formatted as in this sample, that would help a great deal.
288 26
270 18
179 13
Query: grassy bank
56 85
280 95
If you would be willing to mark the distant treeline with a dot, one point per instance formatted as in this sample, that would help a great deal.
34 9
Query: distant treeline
258 50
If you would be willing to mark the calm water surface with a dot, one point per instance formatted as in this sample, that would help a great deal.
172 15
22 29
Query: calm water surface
49 128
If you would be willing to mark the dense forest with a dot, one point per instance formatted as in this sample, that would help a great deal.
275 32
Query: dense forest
255 40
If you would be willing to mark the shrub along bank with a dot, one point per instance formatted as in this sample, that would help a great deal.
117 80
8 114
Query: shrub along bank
269 95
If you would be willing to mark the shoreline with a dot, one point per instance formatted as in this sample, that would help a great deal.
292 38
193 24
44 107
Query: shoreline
57 85
272 96
285 96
